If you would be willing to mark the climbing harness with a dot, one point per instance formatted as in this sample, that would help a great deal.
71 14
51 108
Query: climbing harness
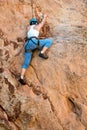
37 44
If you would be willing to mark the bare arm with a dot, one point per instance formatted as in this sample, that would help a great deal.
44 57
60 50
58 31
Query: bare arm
40 25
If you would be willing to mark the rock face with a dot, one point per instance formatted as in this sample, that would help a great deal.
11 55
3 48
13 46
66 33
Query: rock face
55 97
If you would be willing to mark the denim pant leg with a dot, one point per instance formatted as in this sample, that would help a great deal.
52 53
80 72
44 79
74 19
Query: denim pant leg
27 59
46 42
29 45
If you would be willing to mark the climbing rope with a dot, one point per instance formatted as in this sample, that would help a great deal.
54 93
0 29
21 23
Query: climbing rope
32 8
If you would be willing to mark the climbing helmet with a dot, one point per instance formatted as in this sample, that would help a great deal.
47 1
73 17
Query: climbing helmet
33 21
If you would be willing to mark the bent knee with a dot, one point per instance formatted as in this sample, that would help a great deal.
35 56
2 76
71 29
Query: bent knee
49 43
51 40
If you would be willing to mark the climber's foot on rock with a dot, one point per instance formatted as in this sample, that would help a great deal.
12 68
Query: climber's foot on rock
43 55
22 81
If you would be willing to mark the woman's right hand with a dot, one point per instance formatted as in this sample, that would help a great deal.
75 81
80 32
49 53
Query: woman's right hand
45 15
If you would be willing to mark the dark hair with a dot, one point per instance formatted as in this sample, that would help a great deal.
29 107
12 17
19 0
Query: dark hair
33 22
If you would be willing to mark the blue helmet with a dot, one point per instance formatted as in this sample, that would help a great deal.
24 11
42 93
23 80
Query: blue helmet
33 21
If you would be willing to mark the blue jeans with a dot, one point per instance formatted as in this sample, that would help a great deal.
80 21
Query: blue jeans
31 46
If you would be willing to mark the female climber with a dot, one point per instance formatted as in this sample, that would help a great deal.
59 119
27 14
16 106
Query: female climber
33 43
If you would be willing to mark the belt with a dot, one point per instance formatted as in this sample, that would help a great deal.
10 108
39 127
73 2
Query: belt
27 50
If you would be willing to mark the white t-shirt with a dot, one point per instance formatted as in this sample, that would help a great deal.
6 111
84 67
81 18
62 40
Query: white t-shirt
32 32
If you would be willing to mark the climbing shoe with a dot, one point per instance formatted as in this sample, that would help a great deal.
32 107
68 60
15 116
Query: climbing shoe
43 55
22 81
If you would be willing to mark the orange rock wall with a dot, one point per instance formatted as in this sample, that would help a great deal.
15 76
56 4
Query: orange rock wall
55 97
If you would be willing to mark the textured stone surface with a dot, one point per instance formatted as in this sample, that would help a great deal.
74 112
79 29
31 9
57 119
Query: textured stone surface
55 97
